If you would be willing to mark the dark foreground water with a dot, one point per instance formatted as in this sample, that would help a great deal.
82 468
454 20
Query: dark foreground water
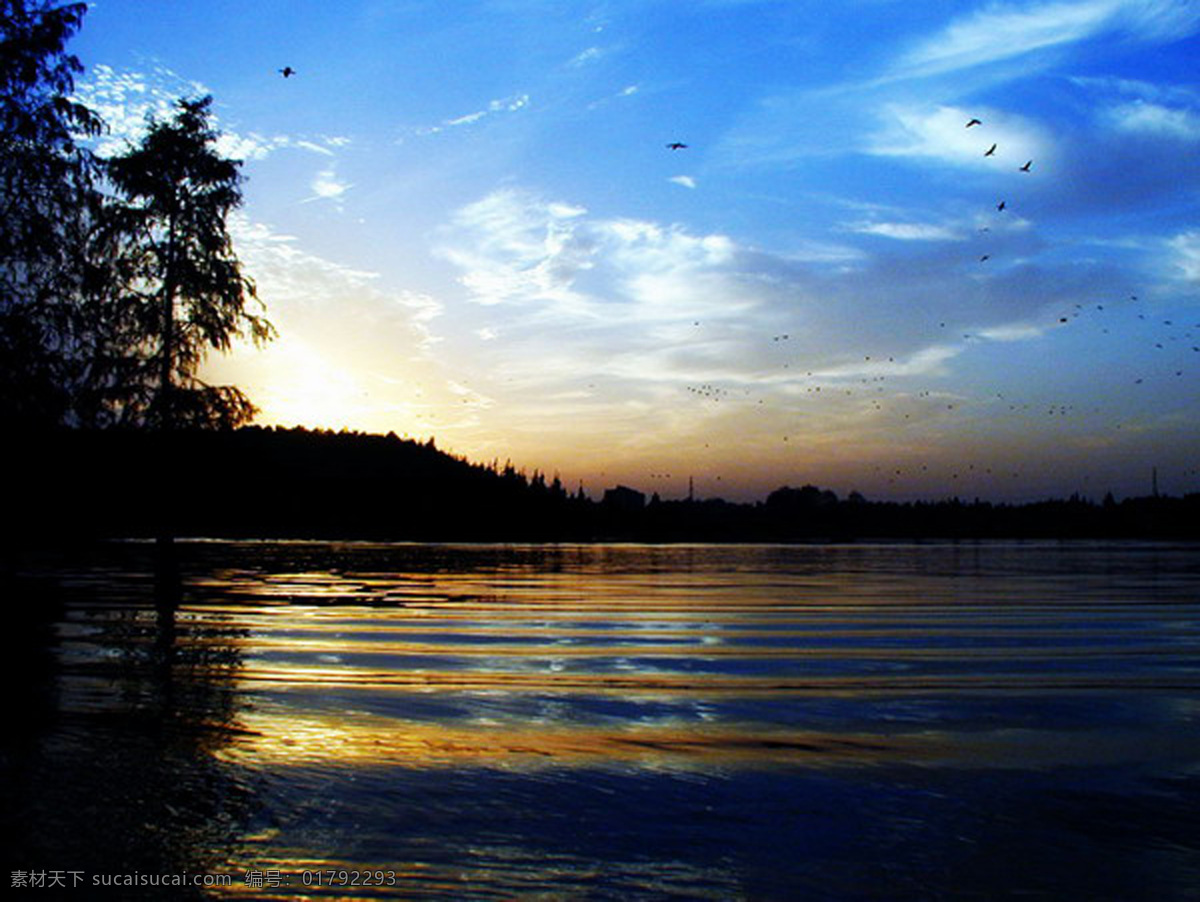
609 722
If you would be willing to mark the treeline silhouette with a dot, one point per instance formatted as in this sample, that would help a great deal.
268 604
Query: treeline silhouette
260 482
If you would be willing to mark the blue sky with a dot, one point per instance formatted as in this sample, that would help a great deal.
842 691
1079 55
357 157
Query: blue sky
466 223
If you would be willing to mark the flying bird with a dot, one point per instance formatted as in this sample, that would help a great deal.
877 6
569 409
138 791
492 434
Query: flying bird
1000 206
974 122
1028 163
287 71
990 151
675 145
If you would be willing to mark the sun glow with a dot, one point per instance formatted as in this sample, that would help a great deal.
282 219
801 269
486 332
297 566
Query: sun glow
304 388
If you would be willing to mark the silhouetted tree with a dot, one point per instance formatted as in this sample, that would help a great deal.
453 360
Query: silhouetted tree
48 202
175 275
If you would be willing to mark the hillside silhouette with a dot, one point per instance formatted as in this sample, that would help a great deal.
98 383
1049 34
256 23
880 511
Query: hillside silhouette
296 483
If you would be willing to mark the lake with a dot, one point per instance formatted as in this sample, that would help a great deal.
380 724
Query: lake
859 721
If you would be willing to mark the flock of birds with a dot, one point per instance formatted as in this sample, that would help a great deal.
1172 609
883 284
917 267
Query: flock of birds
875 394
874 388
1002 205
875 397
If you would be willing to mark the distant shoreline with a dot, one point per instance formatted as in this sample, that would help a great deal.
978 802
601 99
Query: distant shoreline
296 484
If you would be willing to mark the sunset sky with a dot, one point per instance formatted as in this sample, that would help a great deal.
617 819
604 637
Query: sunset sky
464 220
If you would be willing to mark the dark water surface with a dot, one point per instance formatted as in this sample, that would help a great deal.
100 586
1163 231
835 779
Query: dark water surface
613 722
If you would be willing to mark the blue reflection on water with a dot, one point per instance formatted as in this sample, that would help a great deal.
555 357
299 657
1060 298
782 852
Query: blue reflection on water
904 721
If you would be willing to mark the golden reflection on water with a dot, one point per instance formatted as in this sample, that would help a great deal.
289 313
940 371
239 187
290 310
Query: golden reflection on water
344 698
288 739
698 632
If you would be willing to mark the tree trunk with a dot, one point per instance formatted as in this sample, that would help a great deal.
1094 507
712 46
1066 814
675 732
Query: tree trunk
167 565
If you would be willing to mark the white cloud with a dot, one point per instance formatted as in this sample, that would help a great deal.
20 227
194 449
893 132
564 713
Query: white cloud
587 56
669 275
685 180
1186 248
326 186
940 133
520 249
561 265
685 307
297 280
314 147
250 146
1003 31
468 119
509 104
1012 332
1154 92
627 91
908 231
645 245
127 100
1156 119
823 252
288 273
1159 20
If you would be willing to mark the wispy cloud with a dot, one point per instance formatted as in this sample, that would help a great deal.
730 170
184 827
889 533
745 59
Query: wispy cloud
1133 106
349 346
509 104
1154 92
516 248
323 149
284 271
590 55
1156 119
685 181
908 231
625 92
1004 31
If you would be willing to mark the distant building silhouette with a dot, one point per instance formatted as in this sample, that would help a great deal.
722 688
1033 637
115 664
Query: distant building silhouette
623 498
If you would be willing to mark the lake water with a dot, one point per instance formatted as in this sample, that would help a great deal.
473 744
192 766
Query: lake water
921 721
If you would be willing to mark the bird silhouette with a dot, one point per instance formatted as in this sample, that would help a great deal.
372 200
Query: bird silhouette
287 71
676 145
1000 206
1025 168
990 151
974 122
